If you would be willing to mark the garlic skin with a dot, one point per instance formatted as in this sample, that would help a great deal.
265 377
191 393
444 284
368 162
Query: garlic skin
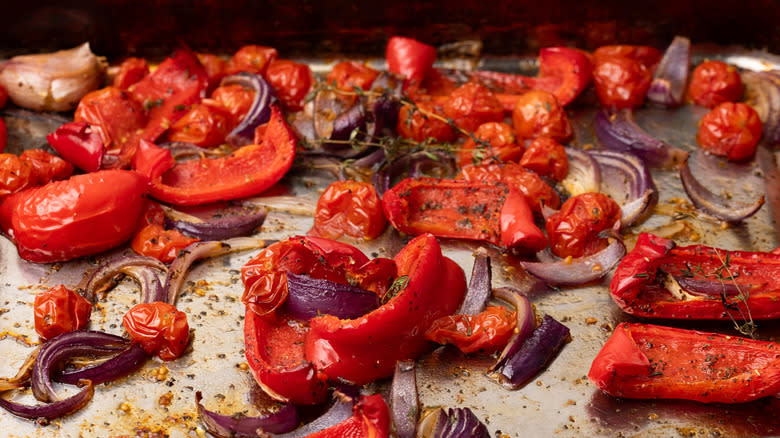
52 81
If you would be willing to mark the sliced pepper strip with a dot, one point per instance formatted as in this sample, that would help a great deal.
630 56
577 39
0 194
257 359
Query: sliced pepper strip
248 171
365 349
370 419
653 362
658 280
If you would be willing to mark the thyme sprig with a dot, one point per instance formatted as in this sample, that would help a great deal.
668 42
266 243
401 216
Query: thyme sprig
723 274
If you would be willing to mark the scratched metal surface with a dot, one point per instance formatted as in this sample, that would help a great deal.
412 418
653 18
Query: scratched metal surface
159 400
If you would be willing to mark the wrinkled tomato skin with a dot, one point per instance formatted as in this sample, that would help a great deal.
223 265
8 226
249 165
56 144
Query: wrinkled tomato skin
501 146
292 82
205 125
621 82
112 113
131 70
347 75
16 174
714 82
46 167
236 99
416 125
730 130
487 331
538 113
60 310
84 215
646 55
536 191
251 59
159 327
155 241
573 230
471 105
214 66
547 158
349 207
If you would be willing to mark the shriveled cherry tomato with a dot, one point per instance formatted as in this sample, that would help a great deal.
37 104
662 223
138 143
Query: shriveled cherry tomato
46 167
113 114
573 230
3 135
251 59
159 327
15 174
83 215
154 240
291 80
730 130
487 331
471 105
546 157
621 82
714 82
646 55
538 113
409 58
349 207
236 99
131 70
349 74
215 68
78 143
536 191
60 310
205 125
415 124
497 145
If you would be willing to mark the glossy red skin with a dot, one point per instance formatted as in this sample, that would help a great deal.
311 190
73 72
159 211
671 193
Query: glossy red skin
714 82
409 58
647 361
154 240
84 215
367 348
547 158
214 66
414 123
536 191
3 134
248 171
45 166
60 310
730 130
236 99
206 124
471 105
621 82
349 207
160 328
487 331
131 70
291 80
16 174
573 230
637 290
370 419
251 59
78 143
537 113
502 146
646 55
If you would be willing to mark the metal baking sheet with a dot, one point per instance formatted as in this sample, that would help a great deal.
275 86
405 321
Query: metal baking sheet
159 400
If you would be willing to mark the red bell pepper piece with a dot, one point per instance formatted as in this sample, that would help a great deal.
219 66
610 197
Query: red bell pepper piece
365 349
370 419
460 209
564 72
248 171
409 58
653 362
79 144
658 280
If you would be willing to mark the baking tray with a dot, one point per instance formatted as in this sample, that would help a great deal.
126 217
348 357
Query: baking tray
159 399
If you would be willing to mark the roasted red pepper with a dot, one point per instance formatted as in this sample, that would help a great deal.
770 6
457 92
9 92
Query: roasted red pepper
654 362
365 349
409 58
460 209
78 143
246 172
658 280
370 419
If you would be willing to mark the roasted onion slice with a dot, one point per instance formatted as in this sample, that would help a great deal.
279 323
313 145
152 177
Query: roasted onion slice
240 426
259 112
671 76
404 401
627 180
572 272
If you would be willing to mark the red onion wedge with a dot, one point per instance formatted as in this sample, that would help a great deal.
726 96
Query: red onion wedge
617 130
106 277
452 423
240 426
535 353
65 346
671 75
709 288
259 112
584 173
341 410
416 164
216 221
480 285
196 251
404 402
627 180
565 272
52 410
327 107
308 297
526 322
717 206
122 364
762 92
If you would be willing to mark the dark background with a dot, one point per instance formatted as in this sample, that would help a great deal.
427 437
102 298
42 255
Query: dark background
326 28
